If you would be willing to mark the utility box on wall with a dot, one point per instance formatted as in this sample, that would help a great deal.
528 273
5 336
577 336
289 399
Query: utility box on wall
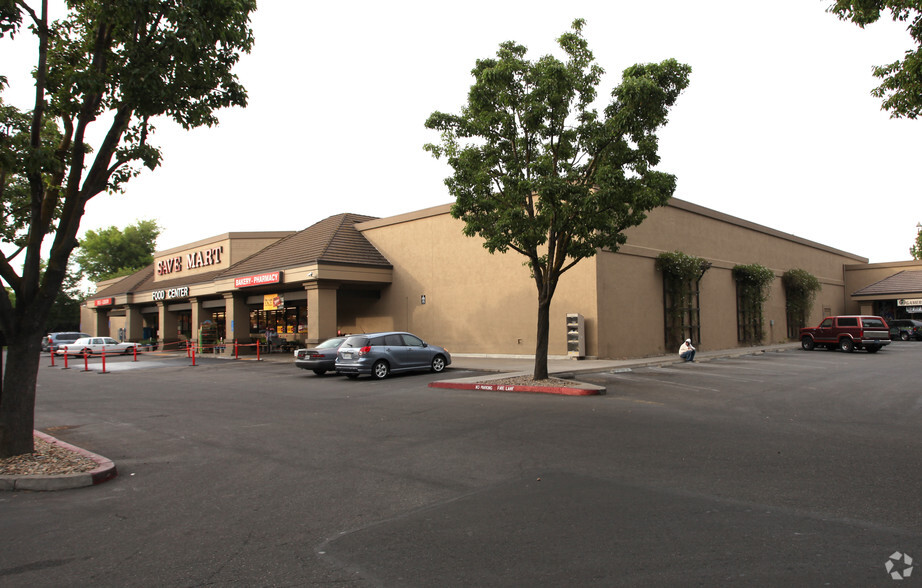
576 336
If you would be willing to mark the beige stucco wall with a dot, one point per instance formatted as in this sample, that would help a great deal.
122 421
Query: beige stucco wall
724 241
475 302
482 303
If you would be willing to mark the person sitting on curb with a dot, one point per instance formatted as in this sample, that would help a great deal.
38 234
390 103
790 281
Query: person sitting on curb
687 351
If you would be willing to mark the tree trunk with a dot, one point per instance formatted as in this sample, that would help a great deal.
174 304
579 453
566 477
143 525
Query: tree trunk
544 321
17 403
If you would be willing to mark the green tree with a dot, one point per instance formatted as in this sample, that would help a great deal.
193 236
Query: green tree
112 252
65 312
916 248
901 86
120 65
539 171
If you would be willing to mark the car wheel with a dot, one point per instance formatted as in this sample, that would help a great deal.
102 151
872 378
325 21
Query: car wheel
873 348
807 343
904 336
380 369
438 364
352 376
320 372
846 345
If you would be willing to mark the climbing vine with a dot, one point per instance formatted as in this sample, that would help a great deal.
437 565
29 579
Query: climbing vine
681 274
800 288
752 290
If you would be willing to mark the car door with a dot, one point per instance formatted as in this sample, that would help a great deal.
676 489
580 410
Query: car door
416 352
824 331
397 352
111 345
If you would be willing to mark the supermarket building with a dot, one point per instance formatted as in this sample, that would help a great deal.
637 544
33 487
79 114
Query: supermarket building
417 272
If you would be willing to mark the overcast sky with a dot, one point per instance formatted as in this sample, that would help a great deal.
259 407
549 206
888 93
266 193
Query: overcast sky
777 126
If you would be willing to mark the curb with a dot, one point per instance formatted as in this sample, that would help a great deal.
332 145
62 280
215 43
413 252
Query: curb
581 390
104 471
482 383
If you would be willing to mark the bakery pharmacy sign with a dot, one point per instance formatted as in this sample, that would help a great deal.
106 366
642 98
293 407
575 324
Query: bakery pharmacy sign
258 280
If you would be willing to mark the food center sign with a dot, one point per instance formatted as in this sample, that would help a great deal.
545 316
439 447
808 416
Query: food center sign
258 280
170 293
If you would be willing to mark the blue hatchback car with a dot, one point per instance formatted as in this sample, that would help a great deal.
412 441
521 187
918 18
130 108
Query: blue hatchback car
380 354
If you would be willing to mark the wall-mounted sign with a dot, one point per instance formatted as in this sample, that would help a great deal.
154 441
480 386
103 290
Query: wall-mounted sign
104 302
170 293
273 302
258 280
196 259
909 302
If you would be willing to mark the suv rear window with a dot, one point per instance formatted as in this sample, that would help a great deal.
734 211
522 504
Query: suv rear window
872 323
356 342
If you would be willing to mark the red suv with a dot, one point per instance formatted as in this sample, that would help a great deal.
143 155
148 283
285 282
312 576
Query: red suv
847 333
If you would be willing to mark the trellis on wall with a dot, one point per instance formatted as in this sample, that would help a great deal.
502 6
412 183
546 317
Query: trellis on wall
682 275
800 288
752 290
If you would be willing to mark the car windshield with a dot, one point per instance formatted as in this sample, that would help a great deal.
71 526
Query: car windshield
356 342
331 343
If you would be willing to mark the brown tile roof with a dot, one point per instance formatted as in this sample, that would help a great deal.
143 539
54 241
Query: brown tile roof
332 240
905 282
136 281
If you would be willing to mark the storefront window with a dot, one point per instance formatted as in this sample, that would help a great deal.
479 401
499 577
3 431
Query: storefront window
285 321
184 324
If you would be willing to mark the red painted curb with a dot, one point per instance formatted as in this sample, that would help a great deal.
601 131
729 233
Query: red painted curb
105 469
561 390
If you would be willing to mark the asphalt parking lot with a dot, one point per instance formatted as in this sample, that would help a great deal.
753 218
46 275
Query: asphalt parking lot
795 468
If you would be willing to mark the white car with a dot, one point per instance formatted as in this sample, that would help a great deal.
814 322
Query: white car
96 345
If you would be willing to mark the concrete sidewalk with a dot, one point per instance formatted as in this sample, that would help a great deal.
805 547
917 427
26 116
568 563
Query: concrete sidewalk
569 368
507 369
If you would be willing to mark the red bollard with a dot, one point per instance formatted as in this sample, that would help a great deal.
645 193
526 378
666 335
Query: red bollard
65 359
135 353
86 361
103 361
236 350
257 351
193 356
52 358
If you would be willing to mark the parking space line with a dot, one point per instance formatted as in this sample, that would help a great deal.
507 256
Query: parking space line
702 372
666 382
